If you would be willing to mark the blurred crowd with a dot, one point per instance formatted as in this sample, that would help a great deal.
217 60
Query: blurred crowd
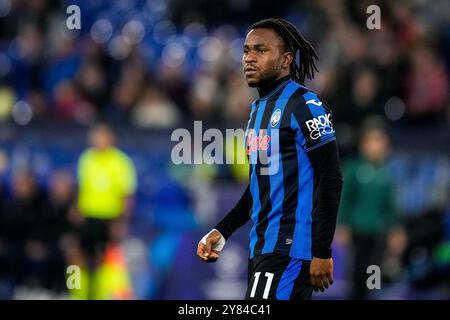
72 221
157 65
131 63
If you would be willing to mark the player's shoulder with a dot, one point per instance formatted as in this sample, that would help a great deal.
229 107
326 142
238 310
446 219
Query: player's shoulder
307 98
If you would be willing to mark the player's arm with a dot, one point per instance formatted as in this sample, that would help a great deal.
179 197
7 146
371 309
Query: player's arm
325 161
313 122
213 242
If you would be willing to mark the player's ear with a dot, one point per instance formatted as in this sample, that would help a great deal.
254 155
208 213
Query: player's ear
287 59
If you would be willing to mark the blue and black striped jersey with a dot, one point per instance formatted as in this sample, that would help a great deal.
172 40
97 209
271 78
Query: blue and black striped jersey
284 125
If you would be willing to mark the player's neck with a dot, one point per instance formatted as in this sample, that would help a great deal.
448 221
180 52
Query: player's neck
266 89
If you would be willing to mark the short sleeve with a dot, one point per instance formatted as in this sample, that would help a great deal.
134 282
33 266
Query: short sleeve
313 119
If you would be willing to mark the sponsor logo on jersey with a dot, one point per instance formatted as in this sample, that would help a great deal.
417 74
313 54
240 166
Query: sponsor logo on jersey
314 102
320 126
257 142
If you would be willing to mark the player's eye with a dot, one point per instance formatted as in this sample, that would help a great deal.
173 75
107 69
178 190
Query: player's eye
261 50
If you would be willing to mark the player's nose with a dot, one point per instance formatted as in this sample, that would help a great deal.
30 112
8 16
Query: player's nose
249 58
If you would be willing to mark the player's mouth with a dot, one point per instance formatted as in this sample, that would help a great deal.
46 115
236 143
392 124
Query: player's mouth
250 70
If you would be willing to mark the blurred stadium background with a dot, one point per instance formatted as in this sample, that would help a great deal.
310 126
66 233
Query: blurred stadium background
149 67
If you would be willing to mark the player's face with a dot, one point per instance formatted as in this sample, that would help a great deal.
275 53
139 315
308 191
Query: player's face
263 60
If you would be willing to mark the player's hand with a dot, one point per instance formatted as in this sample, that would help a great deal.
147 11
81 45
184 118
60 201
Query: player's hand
205 251
321 272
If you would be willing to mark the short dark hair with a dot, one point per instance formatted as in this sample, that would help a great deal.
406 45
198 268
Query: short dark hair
294 42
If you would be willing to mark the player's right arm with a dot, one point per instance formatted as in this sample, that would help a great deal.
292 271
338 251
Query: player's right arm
212 243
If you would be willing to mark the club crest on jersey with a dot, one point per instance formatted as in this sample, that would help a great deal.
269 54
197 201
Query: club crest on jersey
320 126
276 116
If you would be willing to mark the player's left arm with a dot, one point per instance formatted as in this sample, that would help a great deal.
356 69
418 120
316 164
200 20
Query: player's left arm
325 161
313 122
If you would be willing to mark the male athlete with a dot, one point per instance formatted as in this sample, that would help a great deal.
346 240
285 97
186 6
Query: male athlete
295 177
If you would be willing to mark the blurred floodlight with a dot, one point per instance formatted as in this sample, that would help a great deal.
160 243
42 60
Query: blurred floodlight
163 31
22 113
118 48
394 108
181 39
133 32
195 33
210 50
157 9
174 54
157 6
101 31
124 6
5 8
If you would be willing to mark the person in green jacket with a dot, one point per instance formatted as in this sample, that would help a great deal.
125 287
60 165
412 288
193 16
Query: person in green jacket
367 216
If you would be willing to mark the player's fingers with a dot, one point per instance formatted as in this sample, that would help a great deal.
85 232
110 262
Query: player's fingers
330 278
315 283
213 256
318 282
201 252
200 249
324 280
320 286
207 248
212 259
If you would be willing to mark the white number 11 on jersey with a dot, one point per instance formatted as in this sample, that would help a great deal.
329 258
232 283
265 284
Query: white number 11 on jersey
269 277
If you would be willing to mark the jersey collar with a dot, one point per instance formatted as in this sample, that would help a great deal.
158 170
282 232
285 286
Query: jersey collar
266 93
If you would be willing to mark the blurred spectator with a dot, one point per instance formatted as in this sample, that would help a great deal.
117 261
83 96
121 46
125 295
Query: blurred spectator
71 105
367 213
104 70
92 83
107 182
23 253
203 95
127 90
54 226
237 103
427 87
155 110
